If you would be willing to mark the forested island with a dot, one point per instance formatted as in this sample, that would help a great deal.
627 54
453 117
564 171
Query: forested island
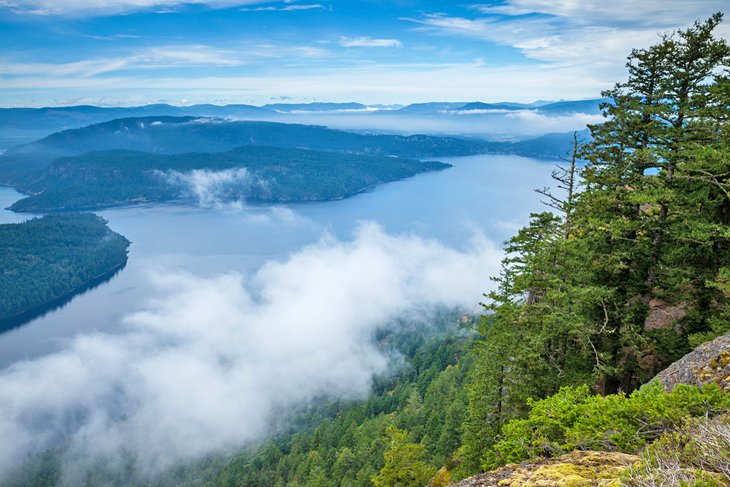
256 174
44 260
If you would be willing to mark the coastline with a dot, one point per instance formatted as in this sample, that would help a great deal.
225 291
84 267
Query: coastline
29 314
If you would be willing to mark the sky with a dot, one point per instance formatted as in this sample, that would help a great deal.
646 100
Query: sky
134 52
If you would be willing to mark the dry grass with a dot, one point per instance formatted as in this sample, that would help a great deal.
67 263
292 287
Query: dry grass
697 455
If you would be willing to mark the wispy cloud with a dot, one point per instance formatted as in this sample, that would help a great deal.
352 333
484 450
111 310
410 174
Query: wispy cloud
156 57
215 189
647 13
572 32
404 83
311 51
369 42
286 8
107 7
114 37
190 55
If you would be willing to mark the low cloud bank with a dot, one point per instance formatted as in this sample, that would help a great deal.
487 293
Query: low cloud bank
215 189
205 364
490 124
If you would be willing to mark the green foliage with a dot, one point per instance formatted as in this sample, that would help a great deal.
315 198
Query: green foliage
576 419
44 259
404 462
579 298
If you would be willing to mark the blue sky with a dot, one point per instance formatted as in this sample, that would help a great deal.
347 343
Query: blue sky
129 52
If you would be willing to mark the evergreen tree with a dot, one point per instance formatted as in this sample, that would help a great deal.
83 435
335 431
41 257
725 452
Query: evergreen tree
649 229
404 464
653 206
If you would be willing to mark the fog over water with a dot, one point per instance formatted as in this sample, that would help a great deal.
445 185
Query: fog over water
226 313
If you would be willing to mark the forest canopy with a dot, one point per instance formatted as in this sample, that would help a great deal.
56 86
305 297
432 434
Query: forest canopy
44 259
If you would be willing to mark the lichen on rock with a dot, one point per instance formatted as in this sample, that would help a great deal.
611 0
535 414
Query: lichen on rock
708 363
575 469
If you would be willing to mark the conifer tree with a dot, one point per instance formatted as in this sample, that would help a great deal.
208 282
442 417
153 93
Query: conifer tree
646 209
648 229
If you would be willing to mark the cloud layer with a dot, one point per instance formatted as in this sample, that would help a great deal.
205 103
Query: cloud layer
106 7
215 189
206 363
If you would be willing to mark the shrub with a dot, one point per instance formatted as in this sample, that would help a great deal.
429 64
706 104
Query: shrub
576 419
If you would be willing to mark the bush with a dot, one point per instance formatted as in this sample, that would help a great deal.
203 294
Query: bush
576 419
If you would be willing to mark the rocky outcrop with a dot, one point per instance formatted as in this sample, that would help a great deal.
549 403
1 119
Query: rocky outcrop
708 363
662 315
576 469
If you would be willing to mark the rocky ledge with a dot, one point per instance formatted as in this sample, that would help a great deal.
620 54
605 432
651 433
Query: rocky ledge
575 469
710 362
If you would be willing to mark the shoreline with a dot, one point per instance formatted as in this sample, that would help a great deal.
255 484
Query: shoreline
26 316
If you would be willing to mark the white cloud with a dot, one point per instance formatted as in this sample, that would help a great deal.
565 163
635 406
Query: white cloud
186 55
366 84
108 7
369 42
647 13
560 123
311 51
155 57
207 363
567 33
287 8
216 189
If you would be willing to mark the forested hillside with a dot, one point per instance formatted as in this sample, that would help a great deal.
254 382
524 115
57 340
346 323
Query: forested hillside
177 135
632 272
44 259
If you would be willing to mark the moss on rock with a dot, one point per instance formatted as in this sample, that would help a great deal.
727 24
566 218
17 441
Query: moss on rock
575 469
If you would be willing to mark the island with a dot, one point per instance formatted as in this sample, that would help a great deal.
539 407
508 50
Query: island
255 174
45 261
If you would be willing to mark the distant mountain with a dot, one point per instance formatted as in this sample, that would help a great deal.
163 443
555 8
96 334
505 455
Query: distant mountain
428 108
260 174
539 103
549 108
173 135
477 105
21 125
314 107
549 146
566 107
82 115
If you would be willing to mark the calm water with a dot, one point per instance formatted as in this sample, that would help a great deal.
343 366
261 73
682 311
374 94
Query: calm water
488 194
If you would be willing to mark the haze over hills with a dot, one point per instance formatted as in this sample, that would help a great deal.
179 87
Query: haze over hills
19 165
22 125
174 135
